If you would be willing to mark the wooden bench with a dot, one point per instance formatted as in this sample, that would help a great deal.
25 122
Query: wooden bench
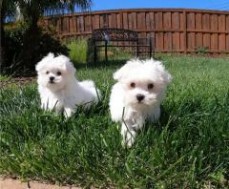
116 37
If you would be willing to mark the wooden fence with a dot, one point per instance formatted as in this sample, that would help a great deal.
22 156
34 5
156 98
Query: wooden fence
173 30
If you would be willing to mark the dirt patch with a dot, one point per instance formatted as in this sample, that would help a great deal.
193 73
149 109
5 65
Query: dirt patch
8 183
18 81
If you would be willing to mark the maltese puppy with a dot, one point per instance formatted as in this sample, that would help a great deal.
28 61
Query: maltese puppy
59 89
137 95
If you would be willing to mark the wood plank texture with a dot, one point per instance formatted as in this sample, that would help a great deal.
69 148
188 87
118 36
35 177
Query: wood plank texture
173 30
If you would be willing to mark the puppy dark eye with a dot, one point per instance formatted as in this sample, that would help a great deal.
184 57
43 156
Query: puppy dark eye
150 86
47 72
132 85
58 73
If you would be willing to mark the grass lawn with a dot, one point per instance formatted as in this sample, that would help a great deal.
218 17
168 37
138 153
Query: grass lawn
187 148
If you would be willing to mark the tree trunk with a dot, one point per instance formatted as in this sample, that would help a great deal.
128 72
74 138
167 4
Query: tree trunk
1 34
31 43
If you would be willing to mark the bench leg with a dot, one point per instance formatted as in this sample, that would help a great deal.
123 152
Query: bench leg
95 53
150 47
137 50
106 58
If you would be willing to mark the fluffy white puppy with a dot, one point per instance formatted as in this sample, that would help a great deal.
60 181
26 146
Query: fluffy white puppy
58 87
137 95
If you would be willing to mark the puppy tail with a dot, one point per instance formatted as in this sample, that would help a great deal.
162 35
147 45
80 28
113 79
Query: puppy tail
91 86
88 83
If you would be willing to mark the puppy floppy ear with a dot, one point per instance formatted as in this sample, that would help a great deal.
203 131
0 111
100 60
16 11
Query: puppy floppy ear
164 75
66 64
70 68
44 61
122 72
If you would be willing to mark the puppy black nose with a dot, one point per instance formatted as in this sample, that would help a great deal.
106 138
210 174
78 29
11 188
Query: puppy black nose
140 97
51 78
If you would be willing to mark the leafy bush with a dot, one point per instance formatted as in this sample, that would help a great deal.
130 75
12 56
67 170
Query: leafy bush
13 45
25 47
202 50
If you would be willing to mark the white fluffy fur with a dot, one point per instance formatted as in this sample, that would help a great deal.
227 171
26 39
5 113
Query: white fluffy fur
135 79
64 93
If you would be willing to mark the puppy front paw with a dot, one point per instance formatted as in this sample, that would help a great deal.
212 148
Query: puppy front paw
128 137
128 141
68 112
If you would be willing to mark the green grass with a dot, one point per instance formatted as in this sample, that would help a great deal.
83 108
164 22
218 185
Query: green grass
187 148
4 78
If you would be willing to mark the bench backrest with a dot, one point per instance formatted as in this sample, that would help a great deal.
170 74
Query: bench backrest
114 34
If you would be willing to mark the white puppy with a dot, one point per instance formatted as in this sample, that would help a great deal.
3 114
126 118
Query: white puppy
137 95
59 89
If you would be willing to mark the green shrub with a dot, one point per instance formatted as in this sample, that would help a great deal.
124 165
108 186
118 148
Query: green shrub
81 51
13 43
202 50
78 51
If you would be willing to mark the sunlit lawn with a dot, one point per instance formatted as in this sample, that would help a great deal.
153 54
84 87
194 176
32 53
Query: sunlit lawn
187 148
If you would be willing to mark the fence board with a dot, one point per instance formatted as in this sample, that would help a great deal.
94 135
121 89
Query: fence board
159 20
222 42
88 23
206 41
167 21
227 43
141 21
198 42
182 43
175 20
134 17
199 23
176 41
119 20
125 20
227 23
95 22
174 30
